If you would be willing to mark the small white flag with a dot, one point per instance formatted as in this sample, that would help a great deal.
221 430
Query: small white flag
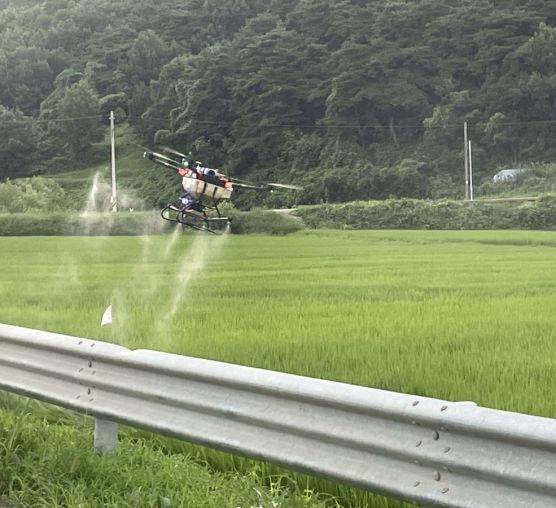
107 316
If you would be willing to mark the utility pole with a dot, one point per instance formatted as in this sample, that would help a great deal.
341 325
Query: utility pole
470 173
466 159
113 159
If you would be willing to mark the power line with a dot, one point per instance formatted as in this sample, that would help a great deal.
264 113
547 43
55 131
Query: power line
357 126
43 120
290 125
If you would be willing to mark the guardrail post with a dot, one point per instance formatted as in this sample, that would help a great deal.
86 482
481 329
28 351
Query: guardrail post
106 436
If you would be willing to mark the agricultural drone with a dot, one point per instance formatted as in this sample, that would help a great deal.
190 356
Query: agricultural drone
204 189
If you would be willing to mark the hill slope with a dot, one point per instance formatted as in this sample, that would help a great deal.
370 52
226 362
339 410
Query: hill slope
289 90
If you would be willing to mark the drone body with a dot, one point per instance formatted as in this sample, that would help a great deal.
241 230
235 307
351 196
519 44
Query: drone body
204 189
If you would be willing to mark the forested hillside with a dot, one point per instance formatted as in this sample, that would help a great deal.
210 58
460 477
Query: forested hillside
363 99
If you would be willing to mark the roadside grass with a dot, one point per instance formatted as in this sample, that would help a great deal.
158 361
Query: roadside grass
454 315
46 464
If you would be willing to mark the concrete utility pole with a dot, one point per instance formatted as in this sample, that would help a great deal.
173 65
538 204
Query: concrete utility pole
470 173
113 158
466 158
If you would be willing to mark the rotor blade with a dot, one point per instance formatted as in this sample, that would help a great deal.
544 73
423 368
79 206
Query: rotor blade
261 186
249 186
284 186
144 148
167 164
234 179
161 159
175 152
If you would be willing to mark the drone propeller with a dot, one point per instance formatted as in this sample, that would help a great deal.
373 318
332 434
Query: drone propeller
234 179
161 159
264 186
175 152
284 186
251 186
236 182
144 148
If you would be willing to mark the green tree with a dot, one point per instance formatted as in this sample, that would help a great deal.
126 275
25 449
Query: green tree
268 98
72 118
17 143
35 194
26 78
147 55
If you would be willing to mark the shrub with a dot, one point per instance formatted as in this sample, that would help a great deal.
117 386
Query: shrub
132 223
424 214
539 215
55 224
267 222
32 195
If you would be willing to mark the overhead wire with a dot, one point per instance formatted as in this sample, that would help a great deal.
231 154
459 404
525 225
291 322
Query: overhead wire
357 126
288 125
47 120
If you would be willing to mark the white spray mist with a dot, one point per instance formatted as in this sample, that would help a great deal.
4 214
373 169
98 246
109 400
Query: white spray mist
203 249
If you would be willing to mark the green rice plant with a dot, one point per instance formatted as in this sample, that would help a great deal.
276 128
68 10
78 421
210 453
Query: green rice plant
449 314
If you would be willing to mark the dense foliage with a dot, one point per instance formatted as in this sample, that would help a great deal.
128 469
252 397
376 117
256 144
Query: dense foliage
355 99
425 214
33 195
386 214
133 224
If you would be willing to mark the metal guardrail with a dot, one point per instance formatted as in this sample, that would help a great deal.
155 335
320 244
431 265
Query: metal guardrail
415 448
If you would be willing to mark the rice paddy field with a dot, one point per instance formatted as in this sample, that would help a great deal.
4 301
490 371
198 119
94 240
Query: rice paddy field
453 315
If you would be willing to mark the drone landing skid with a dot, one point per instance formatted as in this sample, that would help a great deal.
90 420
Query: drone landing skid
198 221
